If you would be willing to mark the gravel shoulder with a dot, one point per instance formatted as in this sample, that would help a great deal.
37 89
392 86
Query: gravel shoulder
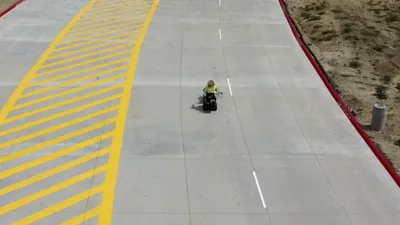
358 44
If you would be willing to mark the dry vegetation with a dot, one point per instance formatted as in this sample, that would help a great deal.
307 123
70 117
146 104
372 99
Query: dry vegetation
4 4
358 44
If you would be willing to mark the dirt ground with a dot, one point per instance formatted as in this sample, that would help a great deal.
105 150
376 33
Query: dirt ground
4 4
357 43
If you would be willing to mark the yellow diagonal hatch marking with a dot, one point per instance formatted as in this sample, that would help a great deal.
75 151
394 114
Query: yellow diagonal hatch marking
63 126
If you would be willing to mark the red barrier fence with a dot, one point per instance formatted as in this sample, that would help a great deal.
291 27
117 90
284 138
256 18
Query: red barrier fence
10 8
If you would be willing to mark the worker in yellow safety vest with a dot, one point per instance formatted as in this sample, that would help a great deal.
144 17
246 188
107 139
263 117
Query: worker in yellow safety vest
211 88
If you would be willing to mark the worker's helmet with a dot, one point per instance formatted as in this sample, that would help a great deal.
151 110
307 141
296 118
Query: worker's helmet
210 83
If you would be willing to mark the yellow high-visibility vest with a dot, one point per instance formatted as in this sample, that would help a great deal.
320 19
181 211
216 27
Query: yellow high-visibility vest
211 89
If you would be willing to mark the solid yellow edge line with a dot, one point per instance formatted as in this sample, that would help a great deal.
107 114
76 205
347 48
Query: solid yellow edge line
15 95
111 176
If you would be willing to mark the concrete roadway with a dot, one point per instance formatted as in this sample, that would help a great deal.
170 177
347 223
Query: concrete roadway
279 151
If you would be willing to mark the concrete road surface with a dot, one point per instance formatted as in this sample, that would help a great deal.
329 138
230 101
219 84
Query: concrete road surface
101 120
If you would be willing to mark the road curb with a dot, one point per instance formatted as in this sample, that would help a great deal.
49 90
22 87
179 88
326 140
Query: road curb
322 74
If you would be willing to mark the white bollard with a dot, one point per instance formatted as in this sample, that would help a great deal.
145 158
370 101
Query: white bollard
378 116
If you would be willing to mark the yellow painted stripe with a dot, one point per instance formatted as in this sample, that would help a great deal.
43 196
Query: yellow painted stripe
59 206
53 156
122 30
105 13
57 127
78 220
90 21
62 103
14 97
45 81
114 2
77 29
120 11
71 82
82 63
115 7
108 39
69 53
70 91
105 5
111 175
113 26
86 55
51 190
116 17
54 171
96 35
95 9
59 115
111 8
54 141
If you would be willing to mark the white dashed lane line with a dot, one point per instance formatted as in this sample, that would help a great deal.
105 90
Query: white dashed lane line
259 190
229 85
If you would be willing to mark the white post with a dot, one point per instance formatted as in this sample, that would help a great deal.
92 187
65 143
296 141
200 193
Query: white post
378 117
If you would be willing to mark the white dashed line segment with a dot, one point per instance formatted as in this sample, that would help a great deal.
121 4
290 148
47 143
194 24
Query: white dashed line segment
259 190
229 85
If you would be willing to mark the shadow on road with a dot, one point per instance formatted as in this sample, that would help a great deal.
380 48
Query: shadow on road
198 107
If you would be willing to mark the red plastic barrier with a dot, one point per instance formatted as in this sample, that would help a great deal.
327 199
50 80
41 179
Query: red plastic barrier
10 8
338 99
